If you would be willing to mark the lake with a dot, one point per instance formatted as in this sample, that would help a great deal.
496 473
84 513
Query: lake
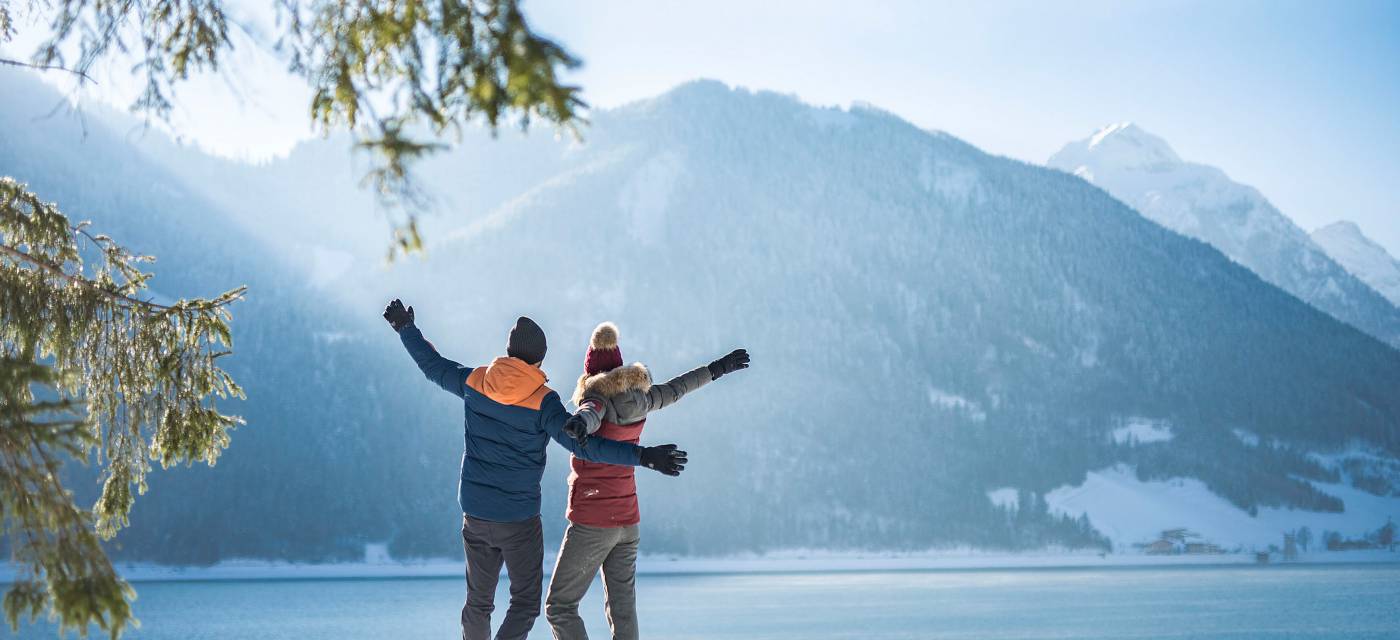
1237 602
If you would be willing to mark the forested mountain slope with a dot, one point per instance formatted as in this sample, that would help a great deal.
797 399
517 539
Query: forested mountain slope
932 328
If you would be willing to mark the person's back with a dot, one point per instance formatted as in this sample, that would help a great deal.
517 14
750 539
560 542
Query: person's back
503 456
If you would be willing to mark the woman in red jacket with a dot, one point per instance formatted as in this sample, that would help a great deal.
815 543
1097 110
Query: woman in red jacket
613 401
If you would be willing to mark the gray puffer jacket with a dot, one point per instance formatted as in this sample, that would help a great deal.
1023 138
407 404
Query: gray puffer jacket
626 395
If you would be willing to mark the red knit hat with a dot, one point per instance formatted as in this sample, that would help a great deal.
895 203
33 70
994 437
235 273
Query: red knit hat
603 354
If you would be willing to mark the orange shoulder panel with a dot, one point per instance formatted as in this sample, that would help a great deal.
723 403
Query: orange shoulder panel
535 399
474 379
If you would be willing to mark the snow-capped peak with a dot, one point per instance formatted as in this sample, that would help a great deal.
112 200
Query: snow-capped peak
1105 132
1200 201
1342 229
1363 257
1117 147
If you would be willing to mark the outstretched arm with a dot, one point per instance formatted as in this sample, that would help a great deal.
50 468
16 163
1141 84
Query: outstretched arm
448 374
666 459
660 396
594 449
663 395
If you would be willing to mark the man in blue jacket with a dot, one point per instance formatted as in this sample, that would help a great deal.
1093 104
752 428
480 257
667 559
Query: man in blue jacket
510 417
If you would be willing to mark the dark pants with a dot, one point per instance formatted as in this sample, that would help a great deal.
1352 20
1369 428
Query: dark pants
520 546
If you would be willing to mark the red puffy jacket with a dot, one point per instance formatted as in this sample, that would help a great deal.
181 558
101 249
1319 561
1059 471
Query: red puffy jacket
615 405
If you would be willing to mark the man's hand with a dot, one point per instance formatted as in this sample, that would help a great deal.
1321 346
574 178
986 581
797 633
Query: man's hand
577 428
665 458
736 360
397 316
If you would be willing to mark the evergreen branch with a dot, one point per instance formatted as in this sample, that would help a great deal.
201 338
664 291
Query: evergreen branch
47 67
122 299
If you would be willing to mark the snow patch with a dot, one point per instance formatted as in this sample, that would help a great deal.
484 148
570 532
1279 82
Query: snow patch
1005 498
1036 347
377 553
1130 511
1364 466
1249 438
1103 134
332 337
946 401
1138 430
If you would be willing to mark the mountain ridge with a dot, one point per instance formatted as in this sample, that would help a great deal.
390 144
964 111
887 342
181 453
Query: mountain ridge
1202 202
1363 257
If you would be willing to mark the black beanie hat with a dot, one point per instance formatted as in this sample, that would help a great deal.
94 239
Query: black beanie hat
526 341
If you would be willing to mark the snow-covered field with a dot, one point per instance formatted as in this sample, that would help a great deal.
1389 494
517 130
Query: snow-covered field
1131 511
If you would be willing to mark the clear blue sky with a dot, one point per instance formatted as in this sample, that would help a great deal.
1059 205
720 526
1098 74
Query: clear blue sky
1300 99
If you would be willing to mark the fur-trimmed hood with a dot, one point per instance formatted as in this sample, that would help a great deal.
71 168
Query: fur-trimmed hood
630 377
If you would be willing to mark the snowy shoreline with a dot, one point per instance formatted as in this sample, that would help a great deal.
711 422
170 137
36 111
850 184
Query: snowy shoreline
784 562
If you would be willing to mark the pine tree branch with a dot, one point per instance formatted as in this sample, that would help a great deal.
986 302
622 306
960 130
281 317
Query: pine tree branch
117 297
47 67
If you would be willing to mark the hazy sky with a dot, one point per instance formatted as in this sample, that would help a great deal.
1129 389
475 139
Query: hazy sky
1300 99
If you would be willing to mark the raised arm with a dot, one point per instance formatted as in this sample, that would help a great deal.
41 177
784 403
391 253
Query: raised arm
448 374
662 395
666 458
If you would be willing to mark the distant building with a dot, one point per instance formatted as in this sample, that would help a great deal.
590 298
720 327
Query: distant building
1203 548
1161 548
1290 546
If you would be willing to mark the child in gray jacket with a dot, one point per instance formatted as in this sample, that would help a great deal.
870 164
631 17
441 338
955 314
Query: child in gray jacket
613 402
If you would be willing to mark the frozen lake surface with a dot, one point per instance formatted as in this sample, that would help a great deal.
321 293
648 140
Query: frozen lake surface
1300 601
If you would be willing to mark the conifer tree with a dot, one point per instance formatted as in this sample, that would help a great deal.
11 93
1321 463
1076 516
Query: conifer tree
91 370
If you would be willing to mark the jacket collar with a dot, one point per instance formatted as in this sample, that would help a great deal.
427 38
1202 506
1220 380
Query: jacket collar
611 383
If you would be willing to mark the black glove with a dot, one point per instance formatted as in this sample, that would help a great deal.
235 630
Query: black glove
664 458
577 428
736 360
398 316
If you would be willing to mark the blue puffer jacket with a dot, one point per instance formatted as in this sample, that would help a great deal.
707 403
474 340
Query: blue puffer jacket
511 415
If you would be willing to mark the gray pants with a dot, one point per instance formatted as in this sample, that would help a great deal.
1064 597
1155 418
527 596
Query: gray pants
584 551
520 546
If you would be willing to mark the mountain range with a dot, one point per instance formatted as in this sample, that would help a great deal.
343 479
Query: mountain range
949 348
1200 201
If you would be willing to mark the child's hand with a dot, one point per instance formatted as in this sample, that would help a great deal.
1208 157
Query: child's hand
736 360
